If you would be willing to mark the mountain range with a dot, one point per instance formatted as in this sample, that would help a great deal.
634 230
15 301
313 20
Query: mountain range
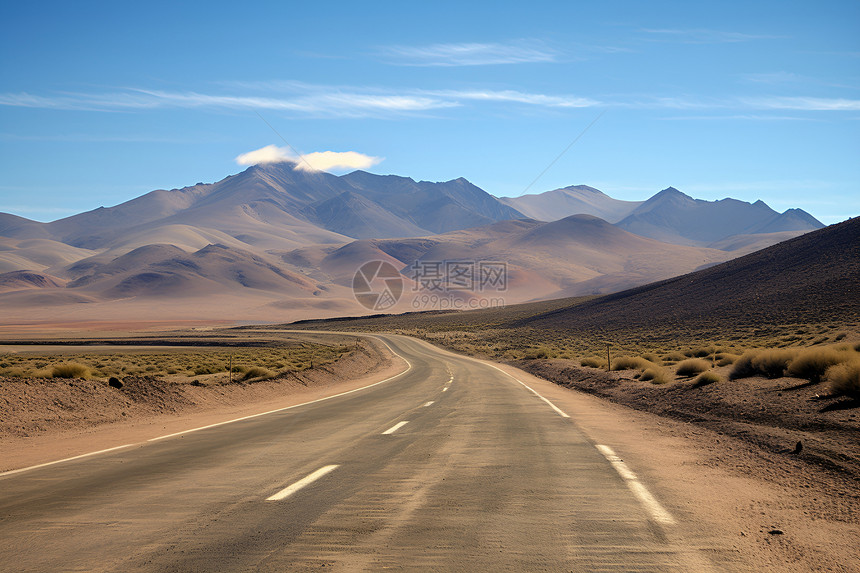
277 240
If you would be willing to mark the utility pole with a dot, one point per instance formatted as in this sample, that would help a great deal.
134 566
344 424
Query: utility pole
231 368
608 359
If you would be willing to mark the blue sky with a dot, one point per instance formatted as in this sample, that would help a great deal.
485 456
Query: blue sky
102 102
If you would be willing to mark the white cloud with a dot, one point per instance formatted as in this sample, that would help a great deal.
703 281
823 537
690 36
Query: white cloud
805 103
703 36
518 97
336 160
316 161
470 54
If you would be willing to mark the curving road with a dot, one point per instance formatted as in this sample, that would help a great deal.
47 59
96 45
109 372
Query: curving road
450 466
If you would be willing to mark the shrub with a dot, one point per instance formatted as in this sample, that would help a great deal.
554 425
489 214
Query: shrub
13 372
672 357
655 375
707 378
692 366
257 372
726 359
743 367
592 362
540 352
845 378
812 363
70 370
772 363
630 363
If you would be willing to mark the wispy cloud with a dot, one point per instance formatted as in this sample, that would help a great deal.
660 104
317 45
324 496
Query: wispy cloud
517 97
297 98
703 36
316 161
469 54
739 117
323 103
804 103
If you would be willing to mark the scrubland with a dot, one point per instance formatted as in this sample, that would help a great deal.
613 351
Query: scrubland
196 365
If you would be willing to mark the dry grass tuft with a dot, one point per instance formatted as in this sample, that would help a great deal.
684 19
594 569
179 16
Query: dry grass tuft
692 367
258 372
592 362
656 375
743 367
772 363
845 378
812 363
70 370
630 363
726 358
707 378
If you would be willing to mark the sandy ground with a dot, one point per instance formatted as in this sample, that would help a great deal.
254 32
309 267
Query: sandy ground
46 420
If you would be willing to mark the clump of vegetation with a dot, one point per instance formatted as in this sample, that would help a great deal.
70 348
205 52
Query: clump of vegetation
13 372
593 362
845 378
726 358
630 363
706 378
655 375
743 366
539 352
812 363
672 357
692 367
258 372
770 363
70 370
773 363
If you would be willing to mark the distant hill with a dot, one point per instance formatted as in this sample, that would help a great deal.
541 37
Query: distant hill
573 200
675 217
273 239
277 205
812 278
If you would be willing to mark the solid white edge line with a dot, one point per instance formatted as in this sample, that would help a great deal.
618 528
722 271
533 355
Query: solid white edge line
558 410
657 511
10 472
293 406
394 428
307 480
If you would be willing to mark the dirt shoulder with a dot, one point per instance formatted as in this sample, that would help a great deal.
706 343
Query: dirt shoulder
772 510
43 420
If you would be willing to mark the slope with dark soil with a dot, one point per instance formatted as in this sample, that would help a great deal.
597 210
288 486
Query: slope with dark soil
810 279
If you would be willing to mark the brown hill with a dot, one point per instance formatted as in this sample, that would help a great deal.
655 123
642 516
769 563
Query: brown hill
20 280
812 278
573 200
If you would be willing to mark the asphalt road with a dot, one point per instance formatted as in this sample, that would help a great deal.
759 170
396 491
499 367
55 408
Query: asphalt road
451 466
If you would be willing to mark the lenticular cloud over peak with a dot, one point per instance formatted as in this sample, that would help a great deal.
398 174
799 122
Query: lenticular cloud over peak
316 161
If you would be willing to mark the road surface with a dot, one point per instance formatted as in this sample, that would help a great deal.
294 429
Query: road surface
451 466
